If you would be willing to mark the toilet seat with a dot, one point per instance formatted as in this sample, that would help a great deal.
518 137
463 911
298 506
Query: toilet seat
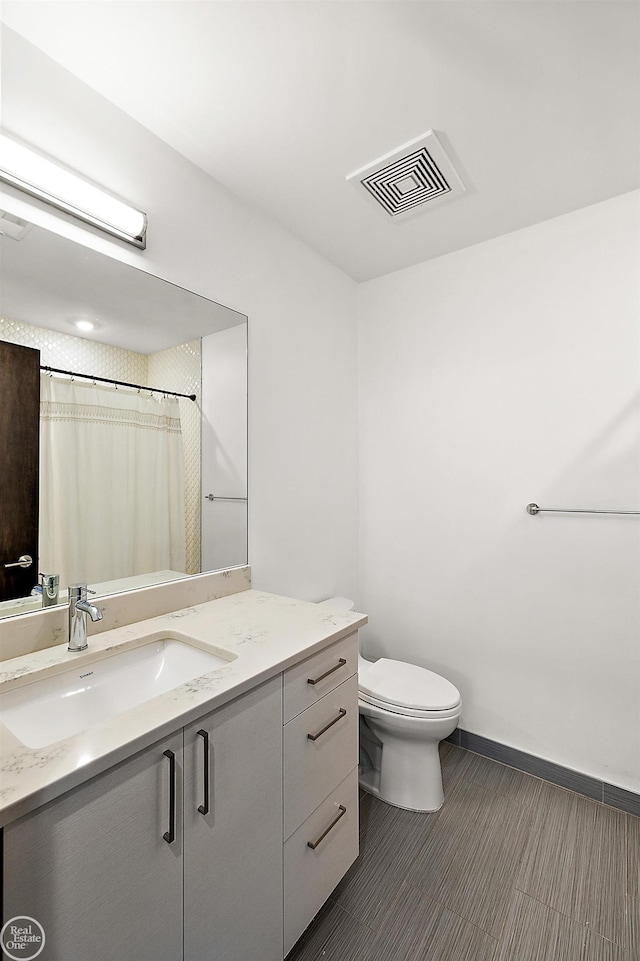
408 689
365 699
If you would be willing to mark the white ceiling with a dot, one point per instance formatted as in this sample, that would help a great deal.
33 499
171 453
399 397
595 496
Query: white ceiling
537 104
52 282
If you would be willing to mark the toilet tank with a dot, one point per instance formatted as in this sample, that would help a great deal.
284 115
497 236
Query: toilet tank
339 603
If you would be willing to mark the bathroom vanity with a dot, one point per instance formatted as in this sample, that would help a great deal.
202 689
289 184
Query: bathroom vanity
212 820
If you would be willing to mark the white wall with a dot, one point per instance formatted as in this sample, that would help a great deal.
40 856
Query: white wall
302 331
499 375
224 448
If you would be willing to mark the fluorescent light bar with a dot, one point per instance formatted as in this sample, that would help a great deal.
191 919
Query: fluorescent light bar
41 178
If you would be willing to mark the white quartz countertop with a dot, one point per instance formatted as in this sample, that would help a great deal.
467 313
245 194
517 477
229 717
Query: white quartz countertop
266 632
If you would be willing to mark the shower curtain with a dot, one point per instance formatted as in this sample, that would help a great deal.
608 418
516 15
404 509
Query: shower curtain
111 483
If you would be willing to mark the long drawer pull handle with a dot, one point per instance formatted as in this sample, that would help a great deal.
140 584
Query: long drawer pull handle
314 737
314 844
170 835
316 680
204 807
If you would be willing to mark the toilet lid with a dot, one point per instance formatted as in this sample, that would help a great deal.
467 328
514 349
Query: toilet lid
407 685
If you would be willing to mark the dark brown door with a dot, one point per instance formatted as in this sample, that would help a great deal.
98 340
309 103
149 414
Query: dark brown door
19 463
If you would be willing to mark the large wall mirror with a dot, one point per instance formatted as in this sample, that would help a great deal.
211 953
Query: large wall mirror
132 486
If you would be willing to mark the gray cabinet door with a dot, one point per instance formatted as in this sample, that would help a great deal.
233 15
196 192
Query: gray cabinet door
93 868
233 853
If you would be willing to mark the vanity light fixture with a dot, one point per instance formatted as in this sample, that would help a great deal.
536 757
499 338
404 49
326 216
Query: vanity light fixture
39 177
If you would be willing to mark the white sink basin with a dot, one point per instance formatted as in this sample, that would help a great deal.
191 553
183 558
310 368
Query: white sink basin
54 708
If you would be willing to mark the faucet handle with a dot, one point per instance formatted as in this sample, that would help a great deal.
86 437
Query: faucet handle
80 590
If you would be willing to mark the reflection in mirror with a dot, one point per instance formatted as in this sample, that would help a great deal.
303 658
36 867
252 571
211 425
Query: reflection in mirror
135 486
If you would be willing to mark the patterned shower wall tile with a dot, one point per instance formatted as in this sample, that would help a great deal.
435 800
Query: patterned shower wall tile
77 353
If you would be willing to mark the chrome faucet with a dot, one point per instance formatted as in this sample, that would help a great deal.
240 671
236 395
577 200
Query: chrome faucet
49 584
79 607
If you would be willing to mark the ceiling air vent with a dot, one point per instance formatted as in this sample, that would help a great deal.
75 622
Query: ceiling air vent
408 179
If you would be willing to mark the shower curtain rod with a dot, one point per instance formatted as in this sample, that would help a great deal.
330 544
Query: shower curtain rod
118 383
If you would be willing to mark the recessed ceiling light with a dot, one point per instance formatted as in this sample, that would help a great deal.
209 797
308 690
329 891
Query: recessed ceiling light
85 325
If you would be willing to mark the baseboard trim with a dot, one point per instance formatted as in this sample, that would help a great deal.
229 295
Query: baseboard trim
584 784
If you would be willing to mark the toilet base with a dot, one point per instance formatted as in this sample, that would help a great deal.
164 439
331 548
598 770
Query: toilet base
400 760
369 781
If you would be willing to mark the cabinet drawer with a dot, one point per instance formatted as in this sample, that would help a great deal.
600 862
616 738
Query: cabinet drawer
320 748
300 692
310 875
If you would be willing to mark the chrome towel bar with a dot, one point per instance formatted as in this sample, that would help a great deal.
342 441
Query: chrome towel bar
534 509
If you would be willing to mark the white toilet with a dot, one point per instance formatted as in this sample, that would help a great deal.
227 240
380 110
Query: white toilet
405 711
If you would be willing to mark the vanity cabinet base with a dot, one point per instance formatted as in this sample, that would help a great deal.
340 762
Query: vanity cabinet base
93 868
311 873
127 867
320 780
176 854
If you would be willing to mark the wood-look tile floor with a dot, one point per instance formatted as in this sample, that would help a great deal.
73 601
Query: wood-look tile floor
510 869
